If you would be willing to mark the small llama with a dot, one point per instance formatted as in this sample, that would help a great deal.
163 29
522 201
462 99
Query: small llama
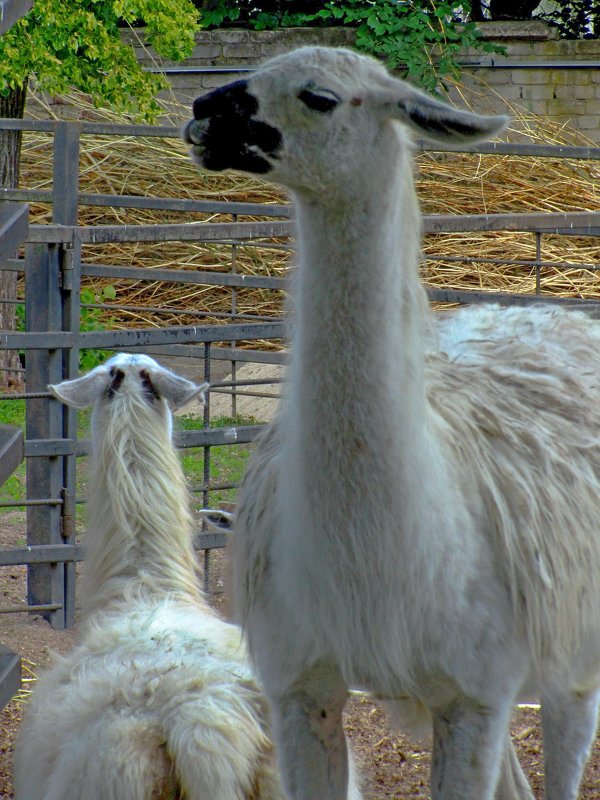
156 701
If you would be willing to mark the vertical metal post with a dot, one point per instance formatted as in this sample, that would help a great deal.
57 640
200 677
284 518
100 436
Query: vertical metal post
43 420
538 258
234 218
71 279
206 462
65 208
52 279
65 178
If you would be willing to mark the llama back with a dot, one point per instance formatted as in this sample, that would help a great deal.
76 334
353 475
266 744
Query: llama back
537 484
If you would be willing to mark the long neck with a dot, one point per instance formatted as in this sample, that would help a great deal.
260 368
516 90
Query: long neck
357 398
139 532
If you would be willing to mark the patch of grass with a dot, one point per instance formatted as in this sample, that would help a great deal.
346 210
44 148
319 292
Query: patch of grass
12 412
227 462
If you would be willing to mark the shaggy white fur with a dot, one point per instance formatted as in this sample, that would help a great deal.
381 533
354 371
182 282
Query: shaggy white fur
156 701
422 520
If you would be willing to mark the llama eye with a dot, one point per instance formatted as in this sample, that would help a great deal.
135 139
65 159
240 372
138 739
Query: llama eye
322 100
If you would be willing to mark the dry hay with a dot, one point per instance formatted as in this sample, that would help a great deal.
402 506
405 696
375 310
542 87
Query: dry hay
447 183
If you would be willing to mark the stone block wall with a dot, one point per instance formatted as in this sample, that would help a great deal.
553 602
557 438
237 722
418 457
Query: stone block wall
545 75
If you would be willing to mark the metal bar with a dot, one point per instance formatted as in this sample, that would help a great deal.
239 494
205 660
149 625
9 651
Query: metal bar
45 583
211 437
71 321
14 224
42 554
160 203
219 353
11 451
506 148
26 195
183 312
182 276
32 340
575 222
191 333
190 231
466 297
500 63
511 262
180 204
70 554
538 258
95 128
10 675
32 609
184 232
37 448
65 180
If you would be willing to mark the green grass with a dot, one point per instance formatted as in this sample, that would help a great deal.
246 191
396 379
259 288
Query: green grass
12 412
227 462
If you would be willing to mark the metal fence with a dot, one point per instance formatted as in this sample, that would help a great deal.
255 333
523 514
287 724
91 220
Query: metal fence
53 269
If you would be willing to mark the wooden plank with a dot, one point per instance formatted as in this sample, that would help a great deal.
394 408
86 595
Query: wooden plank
10 675
11 450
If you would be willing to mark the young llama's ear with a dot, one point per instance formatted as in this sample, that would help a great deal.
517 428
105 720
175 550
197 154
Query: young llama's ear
84 391
176 391
433 119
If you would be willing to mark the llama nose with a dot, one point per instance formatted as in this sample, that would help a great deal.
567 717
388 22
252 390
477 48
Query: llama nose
194 131
230 100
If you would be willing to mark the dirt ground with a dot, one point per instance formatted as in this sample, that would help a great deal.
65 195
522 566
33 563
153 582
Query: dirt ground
391 766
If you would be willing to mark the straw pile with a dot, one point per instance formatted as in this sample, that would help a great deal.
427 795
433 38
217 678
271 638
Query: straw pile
447 183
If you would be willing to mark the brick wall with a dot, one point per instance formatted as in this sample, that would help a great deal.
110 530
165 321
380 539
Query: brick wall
546 75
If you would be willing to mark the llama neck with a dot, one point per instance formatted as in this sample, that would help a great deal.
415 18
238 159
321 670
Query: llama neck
139 532
357 400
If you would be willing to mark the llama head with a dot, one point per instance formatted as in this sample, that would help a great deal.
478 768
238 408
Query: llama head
311 116
126 376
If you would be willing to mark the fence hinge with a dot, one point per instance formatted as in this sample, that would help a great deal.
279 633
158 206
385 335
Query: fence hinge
67 523
66 267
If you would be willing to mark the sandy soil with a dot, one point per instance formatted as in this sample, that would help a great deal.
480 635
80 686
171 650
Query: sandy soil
391 765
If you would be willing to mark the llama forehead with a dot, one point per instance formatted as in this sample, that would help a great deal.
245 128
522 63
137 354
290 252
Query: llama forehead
344 72
125 360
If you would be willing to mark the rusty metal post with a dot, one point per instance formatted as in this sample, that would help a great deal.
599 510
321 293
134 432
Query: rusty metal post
43 420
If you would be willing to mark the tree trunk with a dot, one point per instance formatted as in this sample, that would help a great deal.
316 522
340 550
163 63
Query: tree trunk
12 106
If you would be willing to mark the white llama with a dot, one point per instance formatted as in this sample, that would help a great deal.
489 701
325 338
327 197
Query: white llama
422 520
156 702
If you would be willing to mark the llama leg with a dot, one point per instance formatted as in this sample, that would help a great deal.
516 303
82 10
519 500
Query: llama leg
312 750
468 748
512 784
569 725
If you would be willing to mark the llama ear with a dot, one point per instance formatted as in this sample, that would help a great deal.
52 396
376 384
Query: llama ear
176 391
217 519
436 120
84 391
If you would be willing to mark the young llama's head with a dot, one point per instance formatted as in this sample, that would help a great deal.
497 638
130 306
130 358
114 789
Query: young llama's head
320 119
128 390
